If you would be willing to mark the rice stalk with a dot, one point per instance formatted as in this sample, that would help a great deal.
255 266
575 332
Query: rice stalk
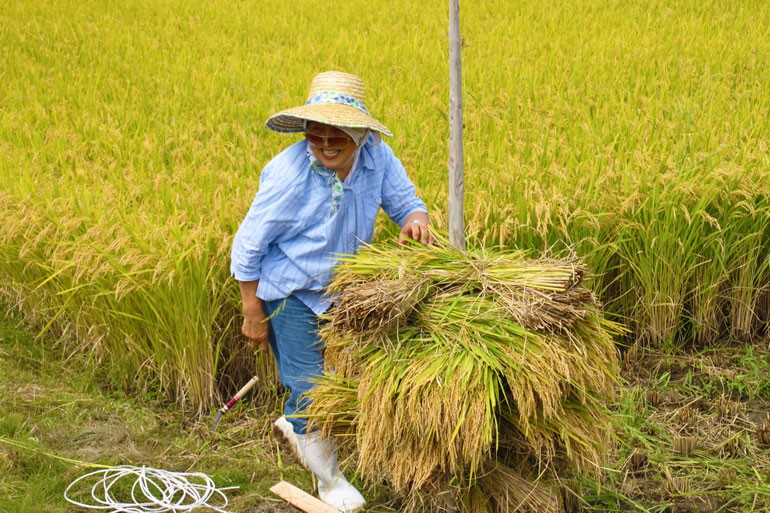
539 294
426 411
517 489
340 398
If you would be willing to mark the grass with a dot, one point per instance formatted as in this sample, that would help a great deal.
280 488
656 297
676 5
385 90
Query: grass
59 418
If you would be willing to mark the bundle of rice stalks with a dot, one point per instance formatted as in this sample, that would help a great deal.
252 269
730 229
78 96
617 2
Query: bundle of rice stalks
454 370
379 290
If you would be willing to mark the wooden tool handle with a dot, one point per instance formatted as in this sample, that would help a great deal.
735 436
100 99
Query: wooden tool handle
239 394
247 386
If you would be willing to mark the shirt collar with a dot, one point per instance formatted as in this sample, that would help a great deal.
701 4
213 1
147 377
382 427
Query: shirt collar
366 160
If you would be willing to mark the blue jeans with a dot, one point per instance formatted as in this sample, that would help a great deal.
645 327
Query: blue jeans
298 352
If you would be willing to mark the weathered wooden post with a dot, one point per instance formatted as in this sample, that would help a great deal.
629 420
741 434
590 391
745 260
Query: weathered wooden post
456 170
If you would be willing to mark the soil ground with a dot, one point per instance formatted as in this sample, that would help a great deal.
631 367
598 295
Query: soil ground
697 436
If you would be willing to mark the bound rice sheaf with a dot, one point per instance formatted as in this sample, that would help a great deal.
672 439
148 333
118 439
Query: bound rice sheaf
452 373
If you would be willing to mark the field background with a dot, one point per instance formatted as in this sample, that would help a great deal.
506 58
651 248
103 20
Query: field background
132 136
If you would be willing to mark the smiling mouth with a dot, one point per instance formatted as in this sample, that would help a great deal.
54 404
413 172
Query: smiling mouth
330 154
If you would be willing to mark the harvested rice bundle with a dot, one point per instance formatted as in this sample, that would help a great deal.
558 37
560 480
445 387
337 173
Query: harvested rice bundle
446 361
506 481
339 396
499 488
436 396
541 369
424 411
391 445
379 305
380 290
574 440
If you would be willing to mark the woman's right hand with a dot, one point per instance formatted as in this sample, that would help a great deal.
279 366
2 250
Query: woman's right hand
256 328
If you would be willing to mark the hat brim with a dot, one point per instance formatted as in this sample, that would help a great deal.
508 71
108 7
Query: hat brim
293 120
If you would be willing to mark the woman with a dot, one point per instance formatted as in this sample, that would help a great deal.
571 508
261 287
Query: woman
317 199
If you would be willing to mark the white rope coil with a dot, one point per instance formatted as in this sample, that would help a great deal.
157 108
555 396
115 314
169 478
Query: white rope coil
127 489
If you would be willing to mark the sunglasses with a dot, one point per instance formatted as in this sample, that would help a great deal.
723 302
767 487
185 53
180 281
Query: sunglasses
336 142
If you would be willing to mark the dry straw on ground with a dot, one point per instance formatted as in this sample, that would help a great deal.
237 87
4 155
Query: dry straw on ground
456 373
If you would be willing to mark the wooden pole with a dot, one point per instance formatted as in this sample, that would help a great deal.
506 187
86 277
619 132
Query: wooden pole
456 171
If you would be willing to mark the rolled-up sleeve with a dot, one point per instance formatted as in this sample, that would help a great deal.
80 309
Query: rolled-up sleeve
267 222
399 198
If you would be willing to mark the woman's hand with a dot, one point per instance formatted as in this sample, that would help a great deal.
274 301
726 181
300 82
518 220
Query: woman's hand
416 228
256 327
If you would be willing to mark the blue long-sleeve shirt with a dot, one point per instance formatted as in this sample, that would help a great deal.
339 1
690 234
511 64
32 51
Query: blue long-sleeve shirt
298 222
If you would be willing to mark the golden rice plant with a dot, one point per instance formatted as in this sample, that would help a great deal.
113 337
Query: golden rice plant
123 167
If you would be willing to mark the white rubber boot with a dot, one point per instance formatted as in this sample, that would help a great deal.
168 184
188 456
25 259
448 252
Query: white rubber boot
333 488
284 431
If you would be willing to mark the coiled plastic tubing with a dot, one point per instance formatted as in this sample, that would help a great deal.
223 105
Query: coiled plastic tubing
127 489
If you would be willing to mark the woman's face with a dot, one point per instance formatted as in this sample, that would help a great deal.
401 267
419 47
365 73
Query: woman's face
331 146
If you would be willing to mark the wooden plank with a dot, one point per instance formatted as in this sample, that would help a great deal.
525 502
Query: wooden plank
301 499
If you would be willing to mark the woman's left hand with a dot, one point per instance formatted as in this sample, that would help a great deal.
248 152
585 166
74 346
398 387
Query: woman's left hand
416 228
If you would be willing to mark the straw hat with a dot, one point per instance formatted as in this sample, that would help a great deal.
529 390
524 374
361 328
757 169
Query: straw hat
336 99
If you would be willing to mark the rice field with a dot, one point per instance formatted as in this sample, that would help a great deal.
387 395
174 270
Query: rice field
634 134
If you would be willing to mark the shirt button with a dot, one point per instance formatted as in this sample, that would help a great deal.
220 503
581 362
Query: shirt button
350 245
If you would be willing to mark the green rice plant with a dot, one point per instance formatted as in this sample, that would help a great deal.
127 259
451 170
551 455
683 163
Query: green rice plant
747 264
662 245
113 304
